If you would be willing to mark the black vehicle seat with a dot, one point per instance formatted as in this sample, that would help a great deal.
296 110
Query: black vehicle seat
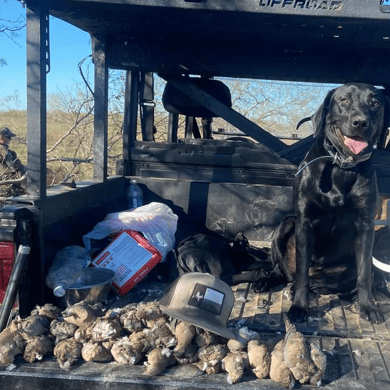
178 103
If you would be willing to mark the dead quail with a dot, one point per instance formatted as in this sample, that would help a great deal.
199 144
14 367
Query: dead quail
234 364
189 356
126 352
62 330
158 359
67 352
33 326
95 352
149 312
129 319
259 358
11 344
105 329
297 354
48 310
235 345
204 337
79 314
184 334
161 333
319 359
37 348
279 372
83 334
210 358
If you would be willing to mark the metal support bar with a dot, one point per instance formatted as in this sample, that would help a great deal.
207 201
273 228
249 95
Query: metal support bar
130 118
147 106
37 51
100 141
192 129
207 127
13 283
233 117
173 124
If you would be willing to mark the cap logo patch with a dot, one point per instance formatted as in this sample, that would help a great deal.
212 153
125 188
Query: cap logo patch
207 299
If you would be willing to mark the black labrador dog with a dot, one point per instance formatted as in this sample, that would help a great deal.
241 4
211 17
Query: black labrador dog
327 245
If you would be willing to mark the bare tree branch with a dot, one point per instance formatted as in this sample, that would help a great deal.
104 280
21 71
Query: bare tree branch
71 159
77 122
14 181
10 28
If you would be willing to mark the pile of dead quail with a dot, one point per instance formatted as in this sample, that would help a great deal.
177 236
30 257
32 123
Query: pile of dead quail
142 334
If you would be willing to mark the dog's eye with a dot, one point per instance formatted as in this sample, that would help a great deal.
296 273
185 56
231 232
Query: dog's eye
374 103
343 100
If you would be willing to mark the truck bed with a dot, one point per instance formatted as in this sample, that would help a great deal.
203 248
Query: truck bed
333 41
358 352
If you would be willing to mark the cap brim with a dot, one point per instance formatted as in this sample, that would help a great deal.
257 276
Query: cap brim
207 325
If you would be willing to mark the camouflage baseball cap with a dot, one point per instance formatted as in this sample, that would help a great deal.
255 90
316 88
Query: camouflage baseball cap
6 132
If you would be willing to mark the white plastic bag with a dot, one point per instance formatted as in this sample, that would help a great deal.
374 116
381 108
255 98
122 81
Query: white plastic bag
156 221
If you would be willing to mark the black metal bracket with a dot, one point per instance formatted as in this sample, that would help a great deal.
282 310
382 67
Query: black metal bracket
147 104
46 38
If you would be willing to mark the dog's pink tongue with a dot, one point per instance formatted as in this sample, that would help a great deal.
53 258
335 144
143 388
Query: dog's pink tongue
355 145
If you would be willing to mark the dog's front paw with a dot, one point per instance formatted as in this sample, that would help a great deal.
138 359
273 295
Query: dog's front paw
297 313
371 313
262 285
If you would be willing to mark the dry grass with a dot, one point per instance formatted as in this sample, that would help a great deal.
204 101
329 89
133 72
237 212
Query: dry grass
70 136
67 140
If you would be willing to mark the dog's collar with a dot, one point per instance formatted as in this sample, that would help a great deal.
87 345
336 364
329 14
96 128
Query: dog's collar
345 162
335 156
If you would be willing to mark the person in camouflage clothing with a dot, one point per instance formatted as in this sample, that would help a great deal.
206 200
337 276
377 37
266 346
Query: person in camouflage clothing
11 167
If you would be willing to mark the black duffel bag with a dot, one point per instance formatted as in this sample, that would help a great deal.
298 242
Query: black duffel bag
232 261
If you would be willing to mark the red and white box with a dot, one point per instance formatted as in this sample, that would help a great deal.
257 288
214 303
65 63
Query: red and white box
131 257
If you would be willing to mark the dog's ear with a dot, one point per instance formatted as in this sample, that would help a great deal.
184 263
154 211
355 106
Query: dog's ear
318 118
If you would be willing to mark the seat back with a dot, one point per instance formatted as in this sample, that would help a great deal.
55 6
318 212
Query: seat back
177 102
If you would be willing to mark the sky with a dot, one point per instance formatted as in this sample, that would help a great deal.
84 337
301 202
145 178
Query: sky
68 46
